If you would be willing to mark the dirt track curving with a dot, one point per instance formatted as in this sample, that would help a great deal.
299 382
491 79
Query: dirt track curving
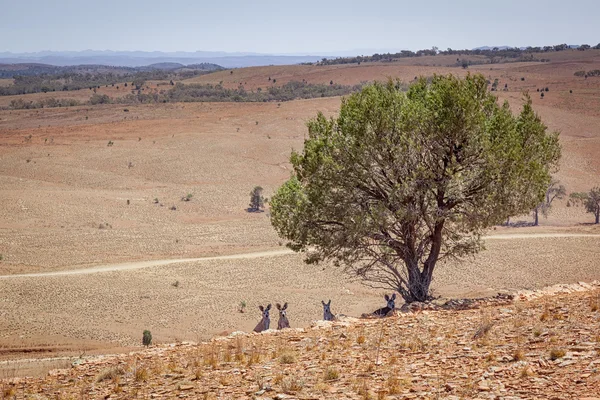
270 253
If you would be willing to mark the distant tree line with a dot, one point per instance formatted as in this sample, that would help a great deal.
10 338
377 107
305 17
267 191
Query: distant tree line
73 81
204 93
20 104
585 74
217 93
494 55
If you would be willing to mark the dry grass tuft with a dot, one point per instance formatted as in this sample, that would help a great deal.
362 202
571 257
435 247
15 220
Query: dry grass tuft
555 354
278 379
287 357
110 374
526 372
140 374
225 380
9 392
331 374
484 327
291 385
518 355
393 385
594 303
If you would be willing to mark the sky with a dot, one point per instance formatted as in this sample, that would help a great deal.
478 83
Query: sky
298 27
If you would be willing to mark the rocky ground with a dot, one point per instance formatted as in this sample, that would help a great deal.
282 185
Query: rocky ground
543 345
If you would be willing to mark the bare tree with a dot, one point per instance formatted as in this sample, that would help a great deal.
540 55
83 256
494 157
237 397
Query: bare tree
554 191
592 203
257 201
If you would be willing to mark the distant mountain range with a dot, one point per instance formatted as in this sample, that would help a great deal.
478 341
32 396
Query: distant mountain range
146 58
142 58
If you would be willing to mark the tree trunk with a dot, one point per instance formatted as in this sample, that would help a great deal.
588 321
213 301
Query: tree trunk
418 284
598 215
536 221
419 281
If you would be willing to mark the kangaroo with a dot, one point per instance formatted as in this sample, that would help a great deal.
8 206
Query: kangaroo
391 305
327 315
264 323
283 321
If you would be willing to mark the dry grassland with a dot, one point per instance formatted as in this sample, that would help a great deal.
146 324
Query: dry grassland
65 193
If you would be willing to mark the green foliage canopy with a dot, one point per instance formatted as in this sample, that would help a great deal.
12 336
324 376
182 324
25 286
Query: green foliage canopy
400 180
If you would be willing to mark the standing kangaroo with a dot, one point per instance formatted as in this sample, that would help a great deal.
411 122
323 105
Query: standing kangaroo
391 305
264 323
327 315
283 321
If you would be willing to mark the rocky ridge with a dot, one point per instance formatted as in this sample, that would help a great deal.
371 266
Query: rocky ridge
542 344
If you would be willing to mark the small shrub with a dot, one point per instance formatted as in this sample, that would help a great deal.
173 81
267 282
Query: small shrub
175 284
242 306
147 338
1 257
188 197
555 354
173 208
155 201
522 78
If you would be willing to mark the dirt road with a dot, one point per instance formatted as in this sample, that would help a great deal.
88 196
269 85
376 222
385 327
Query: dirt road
269 253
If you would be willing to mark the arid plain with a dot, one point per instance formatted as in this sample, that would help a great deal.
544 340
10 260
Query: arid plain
71 202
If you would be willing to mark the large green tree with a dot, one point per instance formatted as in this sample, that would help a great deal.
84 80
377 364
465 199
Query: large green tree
401 180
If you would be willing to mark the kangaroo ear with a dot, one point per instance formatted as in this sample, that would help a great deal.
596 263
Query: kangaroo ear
278 306
394 296
268 307
387 298
322 302
329 303
261 308
285 306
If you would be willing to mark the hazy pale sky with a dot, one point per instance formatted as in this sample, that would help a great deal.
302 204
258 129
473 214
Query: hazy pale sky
304 26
